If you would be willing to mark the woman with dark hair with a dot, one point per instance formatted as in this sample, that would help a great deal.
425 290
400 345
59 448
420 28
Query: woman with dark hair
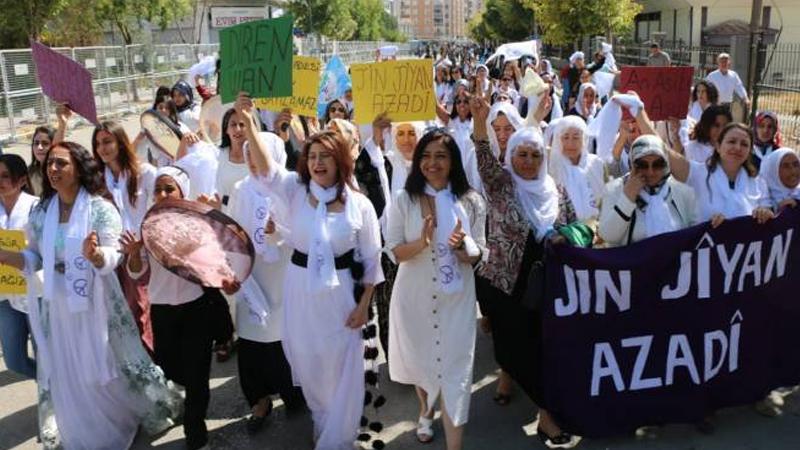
188 111
436 234
767 136
16 204
97 384
166 106
336 109
129 182
704 94
705 134
43 137
330 281
232 167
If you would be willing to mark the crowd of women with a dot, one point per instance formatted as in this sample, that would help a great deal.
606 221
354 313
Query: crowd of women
426 221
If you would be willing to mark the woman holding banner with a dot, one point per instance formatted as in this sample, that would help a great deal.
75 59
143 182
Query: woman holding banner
16 204
435 233
329 284
130 184
524 207
97 384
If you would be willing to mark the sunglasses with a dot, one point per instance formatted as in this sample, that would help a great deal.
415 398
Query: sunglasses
658 164
460 101
338 109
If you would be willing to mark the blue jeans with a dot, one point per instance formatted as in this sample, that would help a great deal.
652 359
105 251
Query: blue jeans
14 332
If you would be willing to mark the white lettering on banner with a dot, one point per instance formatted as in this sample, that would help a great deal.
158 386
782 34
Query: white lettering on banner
604 287
679 356
746 257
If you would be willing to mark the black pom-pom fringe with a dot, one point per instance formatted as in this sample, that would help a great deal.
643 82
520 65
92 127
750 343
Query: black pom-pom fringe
380 401
370 331
371 353
370 377
376 427
364 421
367 398
378 444
364 437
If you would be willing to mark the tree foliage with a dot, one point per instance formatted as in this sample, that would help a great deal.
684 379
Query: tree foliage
22 20
126 14
567 21
503 20
363 20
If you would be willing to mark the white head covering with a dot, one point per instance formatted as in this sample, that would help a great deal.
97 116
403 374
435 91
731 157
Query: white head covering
770 165
401 166
657 216
576 56
583 181
513 117
180 176
538 198
348 131
604 127
579 101
607 49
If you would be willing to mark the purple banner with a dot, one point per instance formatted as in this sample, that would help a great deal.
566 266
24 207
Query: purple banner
671 328
65 81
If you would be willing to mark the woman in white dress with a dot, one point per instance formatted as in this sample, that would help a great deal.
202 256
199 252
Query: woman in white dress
432 319
333 228
263 368
704 94
704 135
581 173
130 183
96 383
188 111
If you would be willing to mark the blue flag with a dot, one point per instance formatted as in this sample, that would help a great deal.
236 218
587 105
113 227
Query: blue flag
334 83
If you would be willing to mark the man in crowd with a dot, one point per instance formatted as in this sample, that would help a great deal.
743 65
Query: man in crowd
657 58
727 81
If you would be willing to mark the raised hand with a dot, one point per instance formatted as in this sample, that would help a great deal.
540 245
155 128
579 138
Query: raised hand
130 244
91 250
456 240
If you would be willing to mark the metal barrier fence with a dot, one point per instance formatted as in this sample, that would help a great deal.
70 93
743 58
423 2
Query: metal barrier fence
125 78
778 88
703 59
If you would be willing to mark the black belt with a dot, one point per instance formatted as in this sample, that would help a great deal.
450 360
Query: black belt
342 262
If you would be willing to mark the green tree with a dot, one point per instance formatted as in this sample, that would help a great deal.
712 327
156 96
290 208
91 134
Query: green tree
126 14
391 31
568 21
331 18
367 14
22 20
503 20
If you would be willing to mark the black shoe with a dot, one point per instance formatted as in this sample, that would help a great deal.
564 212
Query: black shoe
256 423
563 440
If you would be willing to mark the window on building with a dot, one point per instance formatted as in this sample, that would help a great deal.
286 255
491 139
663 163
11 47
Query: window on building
646 24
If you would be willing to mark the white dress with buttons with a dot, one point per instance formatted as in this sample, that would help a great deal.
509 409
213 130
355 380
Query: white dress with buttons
432 335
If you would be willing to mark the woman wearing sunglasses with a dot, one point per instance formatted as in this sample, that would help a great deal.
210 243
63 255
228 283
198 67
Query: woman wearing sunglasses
647 201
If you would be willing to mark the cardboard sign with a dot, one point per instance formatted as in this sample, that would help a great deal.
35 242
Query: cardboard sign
12 281
65 81
256 57
403 89
665 91
305 88
334 84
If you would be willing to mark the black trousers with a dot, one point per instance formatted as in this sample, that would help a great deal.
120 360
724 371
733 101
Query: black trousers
182 342
264 370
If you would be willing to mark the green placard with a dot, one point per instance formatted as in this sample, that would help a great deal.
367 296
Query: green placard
256 57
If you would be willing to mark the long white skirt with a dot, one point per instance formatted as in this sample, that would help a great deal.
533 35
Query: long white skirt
326 356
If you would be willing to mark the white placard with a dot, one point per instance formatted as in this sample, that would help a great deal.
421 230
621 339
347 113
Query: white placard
111 62
160 59
226 17
90 63
29 113
20 69
137 59
181 58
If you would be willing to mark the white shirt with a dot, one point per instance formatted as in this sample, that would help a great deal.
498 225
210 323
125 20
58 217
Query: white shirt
166 288
727 85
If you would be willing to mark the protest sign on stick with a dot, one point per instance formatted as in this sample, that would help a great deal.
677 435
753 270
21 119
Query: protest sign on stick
256 57
668 329
665 91
65 81
402 88
334 84
12 281
305 89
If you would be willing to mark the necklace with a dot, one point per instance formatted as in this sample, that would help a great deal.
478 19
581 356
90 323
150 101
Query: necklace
64 210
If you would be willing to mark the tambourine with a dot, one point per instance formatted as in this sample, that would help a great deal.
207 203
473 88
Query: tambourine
197 242
211 115
162 132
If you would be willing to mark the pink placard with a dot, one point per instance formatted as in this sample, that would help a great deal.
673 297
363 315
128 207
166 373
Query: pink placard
65 81
665 91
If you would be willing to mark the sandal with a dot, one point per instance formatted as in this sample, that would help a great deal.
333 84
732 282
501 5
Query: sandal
424 430
563 440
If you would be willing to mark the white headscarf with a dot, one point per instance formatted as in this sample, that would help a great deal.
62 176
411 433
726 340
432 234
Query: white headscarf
584 181
538 198
401 166
611 62
513 117
576 56
180 176
604 127
770 166
657 217
589 115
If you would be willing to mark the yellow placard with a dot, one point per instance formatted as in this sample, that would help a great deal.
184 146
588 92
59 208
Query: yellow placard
12 281
402 88
305 89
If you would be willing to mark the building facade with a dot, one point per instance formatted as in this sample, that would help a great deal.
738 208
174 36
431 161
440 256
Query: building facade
432 19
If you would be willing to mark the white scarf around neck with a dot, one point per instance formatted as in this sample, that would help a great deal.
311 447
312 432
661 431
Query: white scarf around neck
320 250
448 212
17 218
604 127
657 217
739 201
